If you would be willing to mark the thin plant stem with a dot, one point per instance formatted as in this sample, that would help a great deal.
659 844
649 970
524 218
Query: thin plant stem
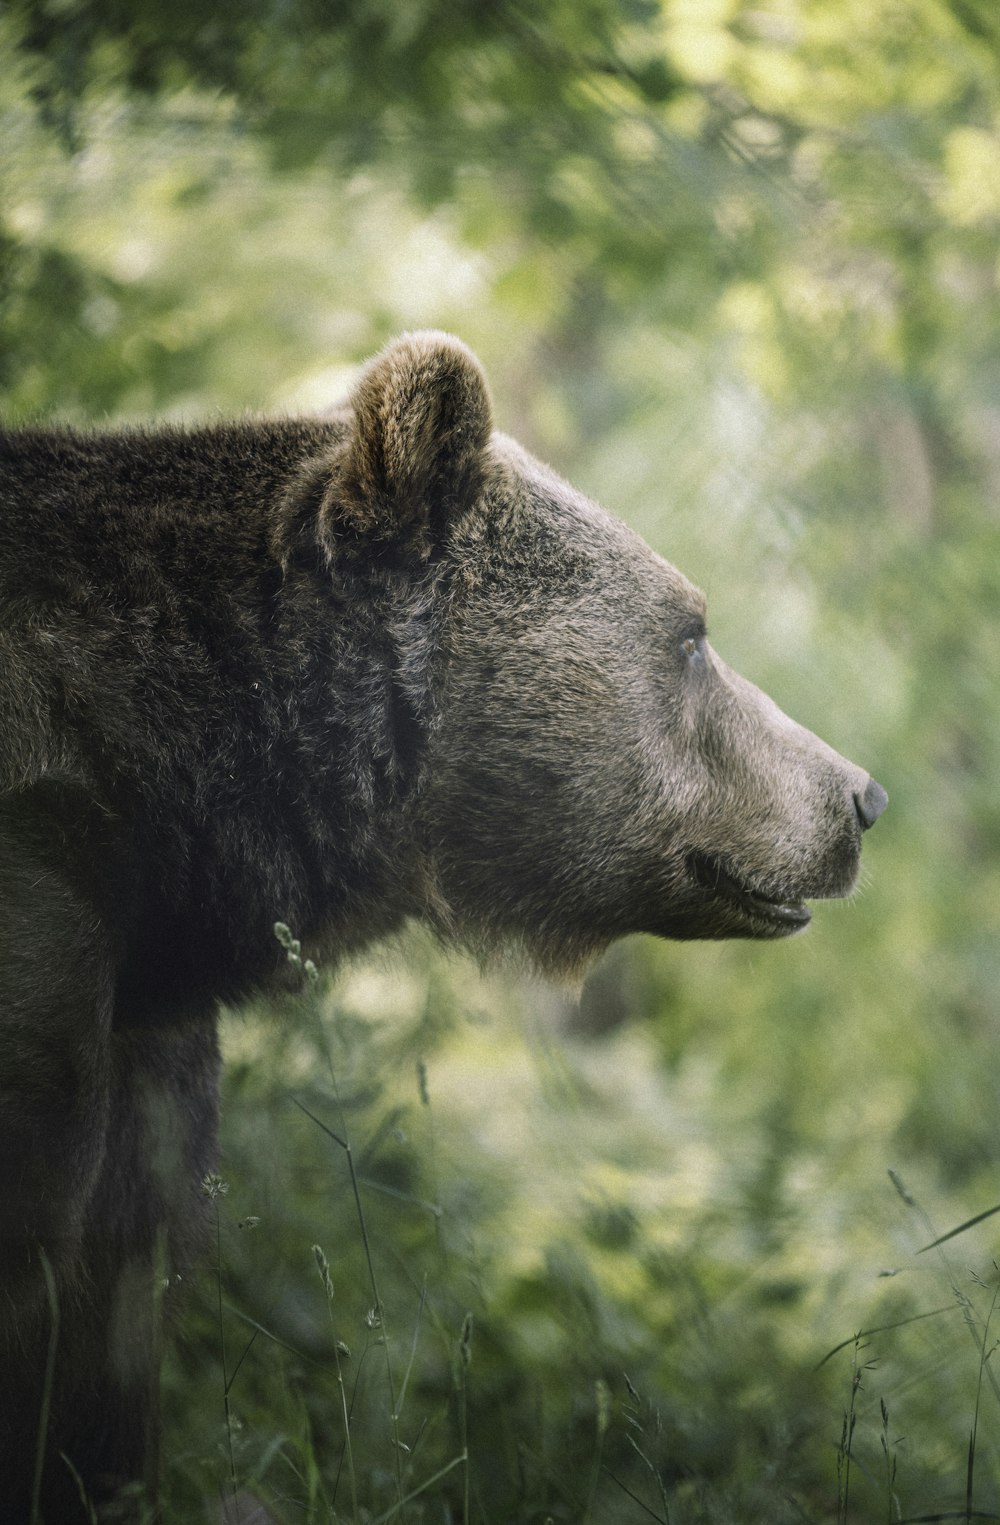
655 1475
327 1279
310 975
50 1365
938 1240
603 1402
345 1144
413 1347
464 1360
450 1466
846 1439
984 1356
215 1188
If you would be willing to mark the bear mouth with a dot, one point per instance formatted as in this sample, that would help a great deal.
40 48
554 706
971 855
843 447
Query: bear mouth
778 909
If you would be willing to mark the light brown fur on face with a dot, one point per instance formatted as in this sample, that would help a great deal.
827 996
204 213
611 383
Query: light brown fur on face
603 771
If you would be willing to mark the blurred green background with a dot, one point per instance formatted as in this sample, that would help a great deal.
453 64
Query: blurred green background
732 267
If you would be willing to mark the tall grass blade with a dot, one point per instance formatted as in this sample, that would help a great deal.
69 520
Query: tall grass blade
52 1294
953 1233
863 1334
345 1145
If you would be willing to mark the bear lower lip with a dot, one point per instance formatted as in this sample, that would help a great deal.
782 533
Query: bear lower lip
711 874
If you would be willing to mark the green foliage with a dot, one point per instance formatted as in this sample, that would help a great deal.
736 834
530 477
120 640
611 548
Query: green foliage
516 1297
733 268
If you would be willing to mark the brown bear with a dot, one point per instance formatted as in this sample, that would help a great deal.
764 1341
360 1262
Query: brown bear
337 673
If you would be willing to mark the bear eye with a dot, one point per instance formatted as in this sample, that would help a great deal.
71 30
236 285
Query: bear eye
690 645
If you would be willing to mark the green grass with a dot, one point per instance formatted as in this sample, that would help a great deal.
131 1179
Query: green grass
470 1268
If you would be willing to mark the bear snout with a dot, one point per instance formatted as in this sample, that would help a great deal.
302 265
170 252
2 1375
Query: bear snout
870 804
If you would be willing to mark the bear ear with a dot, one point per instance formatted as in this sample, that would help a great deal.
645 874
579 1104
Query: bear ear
422 419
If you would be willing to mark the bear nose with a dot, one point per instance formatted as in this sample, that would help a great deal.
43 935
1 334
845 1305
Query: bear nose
871 804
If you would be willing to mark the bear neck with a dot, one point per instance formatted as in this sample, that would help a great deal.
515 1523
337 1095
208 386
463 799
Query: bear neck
242 738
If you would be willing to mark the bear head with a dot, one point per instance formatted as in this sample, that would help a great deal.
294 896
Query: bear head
588 765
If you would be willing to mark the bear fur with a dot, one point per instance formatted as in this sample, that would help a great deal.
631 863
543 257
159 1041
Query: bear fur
338 673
